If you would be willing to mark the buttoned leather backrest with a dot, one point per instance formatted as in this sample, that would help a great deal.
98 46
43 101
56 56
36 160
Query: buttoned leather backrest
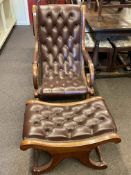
59 35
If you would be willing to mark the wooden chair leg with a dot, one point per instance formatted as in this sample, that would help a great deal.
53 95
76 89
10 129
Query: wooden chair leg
39 169
129 55
109 61
98 150
114 59
85 159
95 53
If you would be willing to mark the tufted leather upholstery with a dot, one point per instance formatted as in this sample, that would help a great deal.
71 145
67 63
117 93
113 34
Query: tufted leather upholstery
68 122
60 40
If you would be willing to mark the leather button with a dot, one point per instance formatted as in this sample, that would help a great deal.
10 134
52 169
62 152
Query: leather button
102 118
47 129
92 126
71 15
37 123
48 15
76 25
59 125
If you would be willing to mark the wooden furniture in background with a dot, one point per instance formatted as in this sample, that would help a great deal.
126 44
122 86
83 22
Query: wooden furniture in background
7 20
112 24
119 4
122 52
105 46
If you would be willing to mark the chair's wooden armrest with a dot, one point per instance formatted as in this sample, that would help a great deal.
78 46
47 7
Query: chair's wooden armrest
90 65
36 54
35 75
35 67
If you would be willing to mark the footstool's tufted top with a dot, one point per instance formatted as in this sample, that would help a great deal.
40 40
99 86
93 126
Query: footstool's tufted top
69 121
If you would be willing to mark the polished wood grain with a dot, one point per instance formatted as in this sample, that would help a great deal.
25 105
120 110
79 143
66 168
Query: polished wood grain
66 103
90 78
112 24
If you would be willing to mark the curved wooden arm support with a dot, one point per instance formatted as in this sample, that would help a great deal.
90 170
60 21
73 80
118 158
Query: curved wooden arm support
35 66
90 65
36 53
90 78
35 75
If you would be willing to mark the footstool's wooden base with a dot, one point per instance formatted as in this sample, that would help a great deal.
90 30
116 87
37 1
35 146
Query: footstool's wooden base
77 148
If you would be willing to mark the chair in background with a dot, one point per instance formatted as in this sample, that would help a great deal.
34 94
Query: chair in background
58 66
105 63
122 52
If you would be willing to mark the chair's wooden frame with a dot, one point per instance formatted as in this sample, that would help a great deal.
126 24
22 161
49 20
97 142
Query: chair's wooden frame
59 150
36 60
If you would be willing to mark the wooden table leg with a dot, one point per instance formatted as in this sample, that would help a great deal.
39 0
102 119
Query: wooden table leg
95 55
100 10
109 61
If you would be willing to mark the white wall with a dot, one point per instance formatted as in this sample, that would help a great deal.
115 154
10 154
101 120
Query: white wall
21 11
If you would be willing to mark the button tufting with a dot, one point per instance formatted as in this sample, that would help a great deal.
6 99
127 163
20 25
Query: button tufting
57 37
67 122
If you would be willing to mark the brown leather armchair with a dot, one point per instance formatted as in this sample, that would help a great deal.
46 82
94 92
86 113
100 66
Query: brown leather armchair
58 65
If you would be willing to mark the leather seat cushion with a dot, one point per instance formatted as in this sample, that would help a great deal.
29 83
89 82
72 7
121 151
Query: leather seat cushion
69 122
62 81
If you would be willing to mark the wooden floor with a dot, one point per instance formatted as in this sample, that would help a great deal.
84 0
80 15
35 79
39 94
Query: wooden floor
111 18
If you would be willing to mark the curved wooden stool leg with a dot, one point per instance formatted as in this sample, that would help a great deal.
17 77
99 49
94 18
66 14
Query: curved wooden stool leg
39 169
85 159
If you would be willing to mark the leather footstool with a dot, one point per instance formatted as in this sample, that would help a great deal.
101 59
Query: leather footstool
68 130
